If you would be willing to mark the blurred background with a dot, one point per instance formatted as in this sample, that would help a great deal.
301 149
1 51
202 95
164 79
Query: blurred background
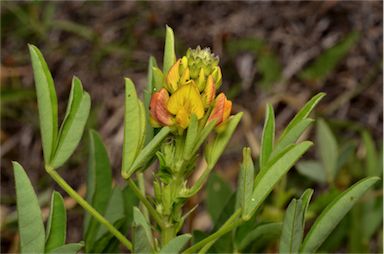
270 52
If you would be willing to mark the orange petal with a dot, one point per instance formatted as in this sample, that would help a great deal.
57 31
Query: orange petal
227 109
173 77
218 109
158 108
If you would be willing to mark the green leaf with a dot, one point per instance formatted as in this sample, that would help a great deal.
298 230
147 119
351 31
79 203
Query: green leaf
31 227
176 244
115 209
292 135
294 221
130 201
73 125
328 150
169 50
268 136
158 78
246 180
134 127
372 158
68 248
313 170
203 134
147 98
266 180
333 214
218 193
327 61
148 152
142 236
292 232
302 114
190 139
272 229
57 223
47 102
99 186
214 150
106 243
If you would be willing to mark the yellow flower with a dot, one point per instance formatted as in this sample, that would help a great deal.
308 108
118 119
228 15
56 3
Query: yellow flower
185 102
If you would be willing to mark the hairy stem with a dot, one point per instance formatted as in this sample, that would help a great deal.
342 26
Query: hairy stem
92 211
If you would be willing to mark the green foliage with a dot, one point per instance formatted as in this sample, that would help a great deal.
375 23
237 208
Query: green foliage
328 60
267 139
215 149
57 223
176 244
142 236
294 222
73 125
169 50
333 213
99 186
134 128
47 102
245 182
218 193
31 227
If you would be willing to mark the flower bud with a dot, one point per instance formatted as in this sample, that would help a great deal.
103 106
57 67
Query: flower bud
221 109
209 92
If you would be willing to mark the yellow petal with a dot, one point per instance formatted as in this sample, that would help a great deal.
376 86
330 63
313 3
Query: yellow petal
209 92
188 98
173 77
182 118
201 80
185 77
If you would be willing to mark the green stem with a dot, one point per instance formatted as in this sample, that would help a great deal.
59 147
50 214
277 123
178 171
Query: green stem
141 182
167 234
230 224
73 194
145 202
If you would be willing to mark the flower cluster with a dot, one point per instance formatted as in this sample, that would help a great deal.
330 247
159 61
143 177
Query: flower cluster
189 88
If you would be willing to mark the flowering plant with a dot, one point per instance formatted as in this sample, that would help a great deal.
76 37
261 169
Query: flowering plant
182 114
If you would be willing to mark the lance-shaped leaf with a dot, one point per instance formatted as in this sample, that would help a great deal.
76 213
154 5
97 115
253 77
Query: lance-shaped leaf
142 236
293 226
99 186
72 128
328 150
333 213
169 50
246 180
134 127
70 248
57 223
47 102
266 180
215 149
30 221
190 139
148 152
176 244
313 170
268 136
147 98
301 115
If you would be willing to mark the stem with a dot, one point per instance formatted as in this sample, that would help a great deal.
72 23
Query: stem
230 224
140 180
73 194
142 198
167 234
